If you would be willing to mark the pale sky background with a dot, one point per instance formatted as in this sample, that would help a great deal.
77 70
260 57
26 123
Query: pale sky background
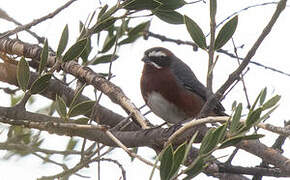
274 52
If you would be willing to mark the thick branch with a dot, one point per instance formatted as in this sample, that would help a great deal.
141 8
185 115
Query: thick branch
101 114
86 74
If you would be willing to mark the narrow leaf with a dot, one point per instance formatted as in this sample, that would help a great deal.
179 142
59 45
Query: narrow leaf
86 52
177 159
71 144
60 107
195 32
267 115
234 105
206 145
236 119
76 96
263 96
226 33
75 51
109 12
166 163
235 140
81 108
271 102
43 57
23 74
169 16
216 136
40 84
103 25
139 28
108 44
105 59
171 4
62 42
141 4
256 101
253 117
102 11
130 39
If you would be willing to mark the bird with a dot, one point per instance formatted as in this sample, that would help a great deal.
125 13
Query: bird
170 88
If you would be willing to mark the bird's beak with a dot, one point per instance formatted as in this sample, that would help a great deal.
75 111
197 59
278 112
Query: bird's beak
145 59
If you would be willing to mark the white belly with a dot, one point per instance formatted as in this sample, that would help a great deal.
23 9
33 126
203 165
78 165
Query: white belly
162 108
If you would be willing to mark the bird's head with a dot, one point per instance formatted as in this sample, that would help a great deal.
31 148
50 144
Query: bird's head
158 57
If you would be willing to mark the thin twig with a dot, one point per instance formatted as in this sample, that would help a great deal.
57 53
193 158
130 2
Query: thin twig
24 147
130 153
37 21
193 123
242 77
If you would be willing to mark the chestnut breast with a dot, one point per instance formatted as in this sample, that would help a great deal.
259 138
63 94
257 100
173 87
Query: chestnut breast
166 97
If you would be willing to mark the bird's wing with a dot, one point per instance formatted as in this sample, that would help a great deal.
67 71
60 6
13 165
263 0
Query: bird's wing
189 81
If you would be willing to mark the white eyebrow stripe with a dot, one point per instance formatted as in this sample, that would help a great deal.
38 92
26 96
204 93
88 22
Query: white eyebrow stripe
157 54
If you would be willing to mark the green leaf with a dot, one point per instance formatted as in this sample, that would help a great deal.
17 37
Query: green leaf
234 105
141 4
177 159
235 140
86 52
226 33
75 50
153 4
71 144
130 39
271 102
253 117
109 13
23 74
103 25
256 101
171 4
43 57
195 168
139 29
108 44
169 16
60 107
263 96
206 145
102 11
195 32
40 84
63 41
236 119
81 108
214 137
166 163
267 115
219 133
76 96
105 59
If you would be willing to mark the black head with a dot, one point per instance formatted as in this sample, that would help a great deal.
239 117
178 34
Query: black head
158 57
